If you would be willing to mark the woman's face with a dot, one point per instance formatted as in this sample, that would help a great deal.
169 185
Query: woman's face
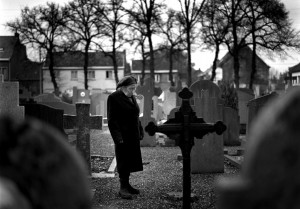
129 90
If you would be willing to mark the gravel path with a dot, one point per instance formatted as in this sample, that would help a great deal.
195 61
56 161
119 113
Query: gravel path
161 176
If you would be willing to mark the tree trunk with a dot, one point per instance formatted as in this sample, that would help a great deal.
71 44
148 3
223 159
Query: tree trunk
143 65
253 69
171 67
151 65
236 67
52 74
115 64
214 67
85 65
189 69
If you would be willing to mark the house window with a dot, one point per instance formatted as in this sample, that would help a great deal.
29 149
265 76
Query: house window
91 74
109 74
74 75
4 72
157 77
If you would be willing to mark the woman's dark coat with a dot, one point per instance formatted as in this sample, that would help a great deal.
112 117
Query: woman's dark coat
124 125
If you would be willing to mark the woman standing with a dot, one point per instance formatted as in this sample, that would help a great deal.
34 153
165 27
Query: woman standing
126 131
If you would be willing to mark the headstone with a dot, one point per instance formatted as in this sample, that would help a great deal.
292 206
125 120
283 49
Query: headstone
155 108
140 101
81 95
232 121
255 105
99 104
53 101
9 102
198 86
25 95
244 95
47 97
207 154
270 176
160 113
176 90
83 122
169 101
145 90
47 114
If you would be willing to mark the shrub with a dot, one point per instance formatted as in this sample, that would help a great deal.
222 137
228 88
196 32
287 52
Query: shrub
229 94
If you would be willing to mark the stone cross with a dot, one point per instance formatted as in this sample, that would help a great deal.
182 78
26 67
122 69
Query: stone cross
83 122
183 128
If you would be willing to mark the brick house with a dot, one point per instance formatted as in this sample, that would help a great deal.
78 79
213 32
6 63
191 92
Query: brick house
261 81
68 67
294 75
161 73
16 66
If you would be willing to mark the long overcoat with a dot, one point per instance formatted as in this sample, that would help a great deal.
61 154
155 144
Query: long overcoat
124 125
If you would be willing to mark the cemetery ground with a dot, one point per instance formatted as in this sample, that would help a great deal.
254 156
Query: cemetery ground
159 183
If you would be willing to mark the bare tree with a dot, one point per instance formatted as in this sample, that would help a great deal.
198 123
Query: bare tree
83 24
114 26
213 31
137 38
238 33
42 28
173 32
145 17
270 29
189 18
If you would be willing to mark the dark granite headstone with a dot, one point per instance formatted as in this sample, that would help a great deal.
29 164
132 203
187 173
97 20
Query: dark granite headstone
52 100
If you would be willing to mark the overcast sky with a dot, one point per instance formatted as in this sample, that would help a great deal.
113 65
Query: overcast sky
10 9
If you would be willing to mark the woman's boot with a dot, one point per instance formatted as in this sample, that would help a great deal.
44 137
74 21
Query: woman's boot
124 191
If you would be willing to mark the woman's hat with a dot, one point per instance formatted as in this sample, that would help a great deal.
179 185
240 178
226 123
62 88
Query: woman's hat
126 81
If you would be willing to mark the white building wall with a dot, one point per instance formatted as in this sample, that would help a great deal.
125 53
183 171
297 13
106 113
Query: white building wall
65 83
296 78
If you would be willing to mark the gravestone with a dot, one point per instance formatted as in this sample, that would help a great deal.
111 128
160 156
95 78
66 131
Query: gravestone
198 86
145 90
47 114
232 121
52 100
81 95
255 105
155 108
207 154
140 101
244 95
270 175
169 102
47 97
9 102
83 122
99 104
24 95
176 90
